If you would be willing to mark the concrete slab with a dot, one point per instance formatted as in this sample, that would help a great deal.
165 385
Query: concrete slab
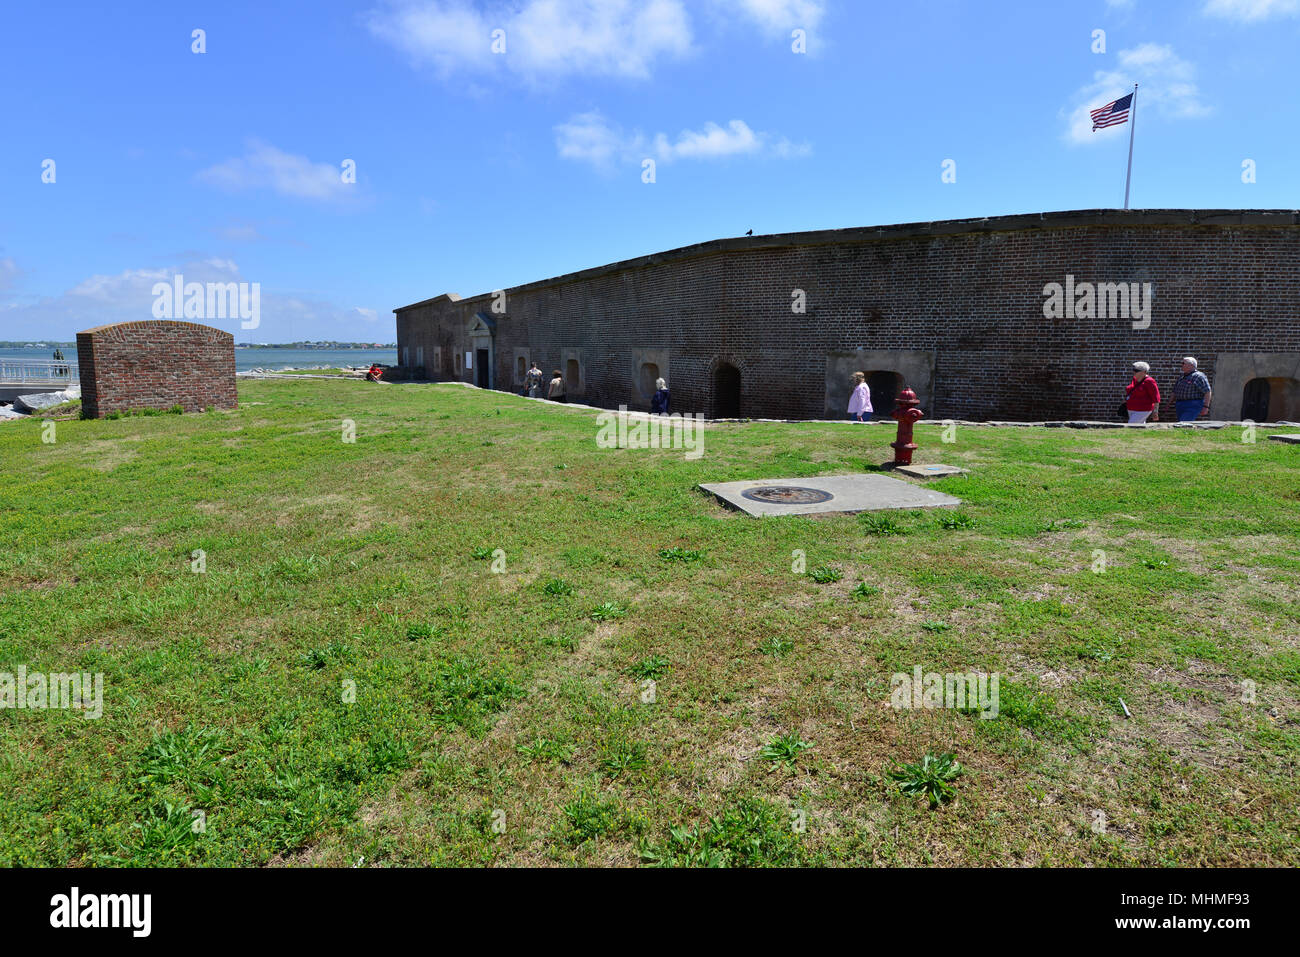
929 471
1289 439
826 493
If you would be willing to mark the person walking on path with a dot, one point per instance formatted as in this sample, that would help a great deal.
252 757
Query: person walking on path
1192 392
556 391
533 382
1143 395
860 400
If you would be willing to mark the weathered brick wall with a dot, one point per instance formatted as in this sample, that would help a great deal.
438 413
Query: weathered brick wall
155 365
969 292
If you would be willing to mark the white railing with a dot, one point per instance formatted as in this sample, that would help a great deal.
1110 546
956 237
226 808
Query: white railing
38 372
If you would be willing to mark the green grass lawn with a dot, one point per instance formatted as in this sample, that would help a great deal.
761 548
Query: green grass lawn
355 677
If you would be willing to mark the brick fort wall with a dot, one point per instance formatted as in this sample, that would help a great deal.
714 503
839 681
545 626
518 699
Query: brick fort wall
962 298
155 365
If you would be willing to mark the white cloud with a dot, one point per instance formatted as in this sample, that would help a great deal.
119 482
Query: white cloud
543 38
778 16
590 138
1251 11
1166 83
263 166
128 297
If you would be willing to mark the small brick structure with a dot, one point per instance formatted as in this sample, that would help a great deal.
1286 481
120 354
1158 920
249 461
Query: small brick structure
156 364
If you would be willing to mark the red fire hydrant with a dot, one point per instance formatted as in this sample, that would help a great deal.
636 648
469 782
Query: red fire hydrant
907 414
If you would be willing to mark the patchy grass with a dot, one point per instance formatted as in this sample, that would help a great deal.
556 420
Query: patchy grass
305 646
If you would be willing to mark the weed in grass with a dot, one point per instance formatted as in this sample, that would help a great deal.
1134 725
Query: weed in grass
547 749
935 627
481 554
750 833
558 588
863 590
456 611
166 834
357 761
932 778
464 694
776 646
322 657
784 749
299 570
183 758
825 574
955 520
589 817
567 642
582 557
422 631
880 524
609 611
677 554
653 667
244 670
1155 563
622 757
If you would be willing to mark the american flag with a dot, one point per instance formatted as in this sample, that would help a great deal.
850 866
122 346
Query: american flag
1112 114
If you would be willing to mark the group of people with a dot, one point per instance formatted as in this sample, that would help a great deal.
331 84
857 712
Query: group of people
555 391
533 380
1191 394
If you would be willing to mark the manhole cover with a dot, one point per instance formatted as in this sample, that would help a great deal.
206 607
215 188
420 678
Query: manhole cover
787 495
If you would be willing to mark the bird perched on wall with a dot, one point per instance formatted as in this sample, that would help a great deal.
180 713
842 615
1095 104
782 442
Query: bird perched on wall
750 233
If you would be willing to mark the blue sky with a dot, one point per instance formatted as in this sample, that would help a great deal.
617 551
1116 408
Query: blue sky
477 170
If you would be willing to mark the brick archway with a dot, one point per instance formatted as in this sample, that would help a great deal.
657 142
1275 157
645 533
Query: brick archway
726 380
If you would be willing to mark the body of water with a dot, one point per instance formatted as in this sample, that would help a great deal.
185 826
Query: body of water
246 359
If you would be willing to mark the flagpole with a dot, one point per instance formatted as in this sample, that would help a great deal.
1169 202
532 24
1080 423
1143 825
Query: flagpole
1133 122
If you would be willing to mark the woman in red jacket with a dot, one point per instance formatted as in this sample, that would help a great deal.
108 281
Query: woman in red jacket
1143 395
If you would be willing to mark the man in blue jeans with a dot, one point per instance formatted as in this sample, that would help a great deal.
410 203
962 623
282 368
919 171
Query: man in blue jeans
1192 392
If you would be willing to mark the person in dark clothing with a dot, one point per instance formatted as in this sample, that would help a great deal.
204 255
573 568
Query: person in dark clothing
659 403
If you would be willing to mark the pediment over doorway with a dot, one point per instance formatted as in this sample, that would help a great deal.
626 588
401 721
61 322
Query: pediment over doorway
482 325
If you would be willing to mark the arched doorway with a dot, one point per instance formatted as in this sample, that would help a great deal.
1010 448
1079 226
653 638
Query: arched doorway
885 387
646 380
726 391
1254 400
1271 399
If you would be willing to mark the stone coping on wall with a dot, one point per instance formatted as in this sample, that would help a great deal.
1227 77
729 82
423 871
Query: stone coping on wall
1063 219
